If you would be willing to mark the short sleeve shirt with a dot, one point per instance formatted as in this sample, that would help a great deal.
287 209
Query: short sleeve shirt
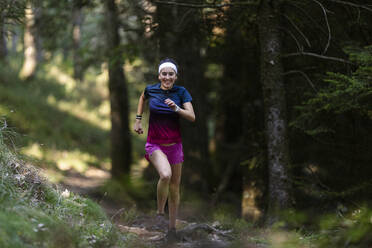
164 127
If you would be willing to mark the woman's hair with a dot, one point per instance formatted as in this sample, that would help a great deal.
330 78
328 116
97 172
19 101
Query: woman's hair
170 61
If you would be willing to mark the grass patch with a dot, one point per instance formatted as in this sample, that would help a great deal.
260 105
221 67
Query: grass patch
34 213
129 192
63 120
65 123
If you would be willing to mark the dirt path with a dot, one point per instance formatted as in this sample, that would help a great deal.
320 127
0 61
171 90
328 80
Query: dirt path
147 227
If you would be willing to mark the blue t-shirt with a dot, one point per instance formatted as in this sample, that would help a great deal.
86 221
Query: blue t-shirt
164 127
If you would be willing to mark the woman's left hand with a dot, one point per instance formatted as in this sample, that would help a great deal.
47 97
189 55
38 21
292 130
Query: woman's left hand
170 104
187 111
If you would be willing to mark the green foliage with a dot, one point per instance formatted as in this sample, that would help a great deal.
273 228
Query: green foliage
12 10
35 214
351 231
362 56
128 192
225 217
129 216
333 155
343 94
59 116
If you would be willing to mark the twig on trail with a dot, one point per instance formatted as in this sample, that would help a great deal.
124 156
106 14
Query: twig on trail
120 211
142 232
104 195
190 229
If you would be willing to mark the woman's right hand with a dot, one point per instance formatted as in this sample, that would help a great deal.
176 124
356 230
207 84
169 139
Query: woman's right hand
138 127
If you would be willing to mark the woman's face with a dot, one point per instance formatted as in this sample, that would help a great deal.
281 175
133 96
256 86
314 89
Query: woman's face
167 77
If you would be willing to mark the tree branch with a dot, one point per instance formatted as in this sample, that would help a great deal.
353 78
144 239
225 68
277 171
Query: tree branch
214 6
308 16
328 27
298 30
304 75
317 56
351 4
299 46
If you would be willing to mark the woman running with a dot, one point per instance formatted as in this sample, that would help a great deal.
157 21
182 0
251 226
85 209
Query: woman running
167 102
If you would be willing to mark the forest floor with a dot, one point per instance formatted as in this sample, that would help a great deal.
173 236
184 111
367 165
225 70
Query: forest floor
145 226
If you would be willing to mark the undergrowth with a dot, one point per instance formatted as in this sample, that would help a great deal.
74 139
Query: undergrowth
35 213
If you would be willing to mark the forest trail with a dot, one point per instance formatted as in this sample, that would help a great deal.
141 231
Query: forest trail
146 227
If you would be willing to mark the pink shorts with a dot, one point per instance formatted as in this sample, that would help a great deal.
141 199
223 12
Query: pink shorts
174 152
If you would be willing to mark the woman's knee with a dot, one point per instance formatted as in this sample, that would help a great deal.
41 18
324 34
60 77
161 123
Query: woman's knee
165 175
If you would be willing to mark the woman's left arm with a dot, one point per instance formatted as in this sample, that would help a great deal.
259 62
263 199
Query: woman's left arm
186 112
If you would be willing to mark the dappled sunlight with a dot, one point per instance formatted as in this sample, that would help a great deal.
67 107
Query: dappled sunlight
134 72
97 173
283 239
250 209
138 168
77 160
312 168
103 78
54 176
91 179
65 123
64 160
63 78
80 110
33 150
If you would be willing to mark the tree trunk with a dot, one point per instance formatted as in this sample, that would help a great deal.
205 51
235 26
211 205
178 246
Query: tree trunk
195 135
77 20
14 41
120 135
38 39
3 48
275 108
30 51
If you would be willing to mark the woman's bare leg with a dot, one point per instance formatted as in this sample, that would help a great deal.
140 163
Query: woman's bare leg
174 194
160 161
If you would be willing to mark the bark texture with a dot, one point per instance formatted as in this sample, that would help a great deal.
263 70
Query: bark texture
77 21
120 135
30 50
275 107
195 135
3 47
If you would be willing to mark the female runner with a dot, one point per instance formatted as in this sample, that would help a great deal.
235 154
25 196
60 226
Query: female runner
167 102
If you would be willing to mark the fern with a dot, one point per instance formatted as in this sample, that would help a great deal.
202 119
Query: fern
343 94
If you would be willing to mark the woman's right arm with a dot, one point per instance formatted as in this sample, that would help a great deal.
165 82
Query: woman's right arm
138 125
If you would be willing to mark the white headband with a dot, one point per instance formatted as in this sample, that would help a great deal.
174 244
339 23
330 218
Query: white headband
168 64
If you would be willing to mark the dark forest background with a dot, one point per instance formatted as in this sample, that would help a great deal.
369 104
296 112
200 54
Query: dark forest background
281 91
